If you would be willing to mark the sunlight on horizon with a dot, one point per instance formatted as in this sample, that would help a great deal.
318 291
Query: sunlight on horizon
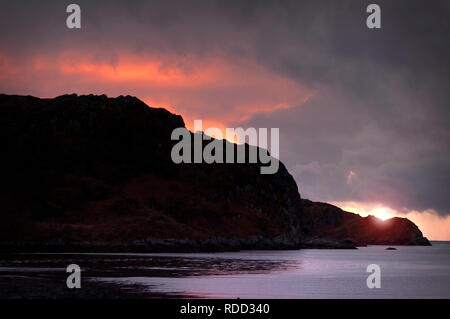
432 225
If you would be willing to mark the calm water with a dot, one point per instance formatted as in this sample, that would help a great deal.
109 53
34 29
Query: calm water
408 272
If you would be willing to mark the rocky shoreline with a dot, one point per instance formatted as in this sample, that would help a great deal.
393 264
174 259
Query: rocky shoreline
170 245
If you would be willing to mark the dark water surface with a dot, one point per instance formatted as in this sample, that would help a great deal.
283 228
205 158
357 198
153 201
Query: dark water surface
408 272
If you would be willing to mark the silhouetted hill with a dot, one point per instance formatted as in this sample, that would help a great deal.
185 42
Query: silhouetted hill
92 172
322 220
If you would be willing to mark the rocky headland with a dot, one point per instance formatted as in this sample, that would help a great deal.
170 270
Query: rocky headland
92 173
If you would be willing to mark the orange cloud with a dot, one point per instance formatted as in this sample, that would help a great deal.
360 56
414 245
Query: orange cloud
217 90
8 72
133 69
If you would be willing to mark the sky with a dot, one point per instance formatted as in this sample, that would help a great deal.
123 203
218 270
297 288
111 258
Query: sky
363 113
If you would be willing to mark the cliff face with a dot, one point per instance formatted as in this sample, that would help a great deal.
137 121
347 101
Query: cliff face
87 171
97 169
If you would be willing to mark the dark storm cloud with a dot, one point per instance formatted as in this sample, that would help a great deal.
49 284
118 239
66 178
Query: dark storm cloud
380 108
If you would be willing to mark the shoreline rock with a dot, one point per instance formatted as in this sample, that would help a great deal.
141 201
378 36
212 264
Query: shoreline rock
170 245
155 245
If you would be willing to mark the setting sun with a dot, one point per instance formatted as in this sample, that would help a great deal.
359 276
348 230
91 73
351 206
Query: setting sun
375 209
381 213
